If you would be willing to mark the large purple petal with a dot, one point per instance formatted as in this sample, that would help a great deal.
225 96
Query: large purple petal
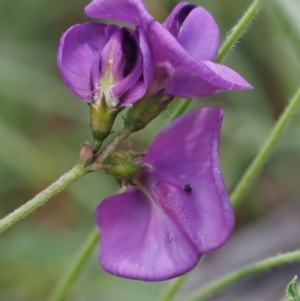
77 50
130 11
140 241
190 76
199 35
186 153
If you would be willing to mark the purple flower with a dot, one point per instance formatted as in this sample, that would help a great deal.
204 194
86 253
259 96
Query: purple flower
179 208
99 61
183 49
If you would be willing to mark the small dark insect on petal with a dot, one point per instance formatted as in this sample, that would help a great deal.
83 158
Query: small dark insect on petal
188 188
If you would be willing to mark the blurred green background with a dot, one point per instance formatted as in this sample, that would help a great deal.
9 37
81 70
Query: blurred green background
42 125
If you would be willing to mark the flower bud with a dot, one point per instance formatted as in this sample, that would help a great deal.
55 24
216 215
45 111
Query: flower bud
122 166
101 121
86 154
145 110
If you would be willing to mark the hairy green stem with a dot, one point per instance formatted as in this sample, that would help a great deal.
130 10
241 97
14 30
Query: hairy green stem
110 147
245 272
256 165
40 199
238 30
75 267
235 33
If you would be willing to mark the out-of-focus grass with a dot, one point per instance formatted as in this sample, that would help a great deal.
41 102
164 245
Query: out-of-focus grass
42 126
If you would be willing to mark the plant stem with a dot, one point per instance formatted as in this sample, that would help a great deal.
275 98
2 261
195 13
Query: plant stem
256 165
235 33
75 267
174 288
109 148
238 30
40 199
181 108
245 272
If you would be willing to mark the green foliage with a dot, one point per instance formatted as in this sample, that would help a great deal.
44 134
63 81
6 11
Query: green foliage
292 290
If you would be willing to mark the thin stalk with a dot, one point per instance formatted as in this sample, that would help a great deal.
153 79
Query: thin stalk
244 273
235 33
75 267
176 285
40 199
258 162
110 147
238 30
181 108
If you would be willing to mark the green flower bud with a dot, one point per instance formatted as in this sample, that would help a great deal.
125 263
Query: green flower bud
145 110
122 166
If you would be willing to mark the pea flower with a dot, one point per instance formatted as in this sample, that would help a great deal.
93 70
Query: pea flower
179 208
99 61
183 49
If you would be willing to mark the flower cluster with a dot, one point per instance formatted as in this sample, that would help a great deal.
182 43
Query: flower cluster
123 65
176 207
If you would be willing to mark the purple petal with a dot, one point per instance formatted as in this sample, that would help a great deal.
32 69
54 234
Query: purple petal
186 153
199 35
132 72
170 19
130 11
133 94
140 241
179 18
110 31
139 89
191 77
226 75
113 60
148 65
77 50
211 78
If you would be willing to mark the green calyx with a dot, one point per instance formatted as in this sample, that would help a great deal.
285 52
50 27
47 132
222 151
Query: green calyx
292 290
122 166
144 111
102 118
